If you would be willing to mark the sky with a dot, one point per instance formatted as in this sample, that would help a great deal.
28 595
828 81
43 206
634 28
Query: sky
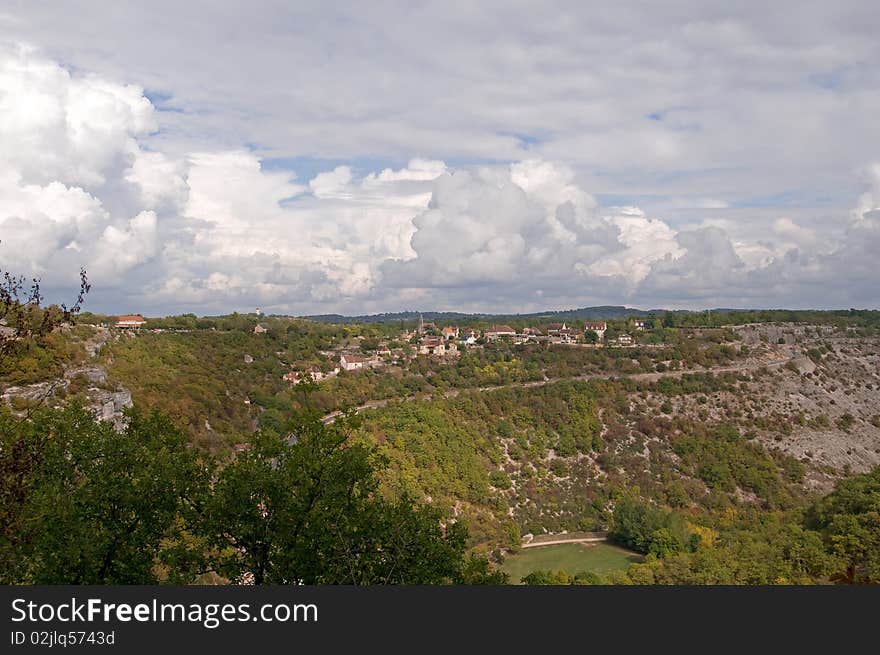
307 158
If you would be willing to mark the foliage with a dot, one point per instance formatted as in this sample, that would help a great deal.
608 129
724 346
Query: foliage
84 504
301 508
849 521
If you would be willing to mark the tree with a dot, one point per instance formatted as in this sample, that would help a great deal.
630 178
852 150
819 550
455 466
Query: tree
303 508
635 523
664 543
84 504
23 320
849 521
591 336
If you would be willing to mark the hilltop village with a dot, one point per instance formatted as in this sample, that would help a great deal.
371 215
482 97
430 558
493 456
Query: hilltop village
428 339
449 341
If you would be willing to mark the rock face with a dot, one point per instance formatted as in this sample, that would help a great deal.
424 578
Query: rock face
94 374
109 405
803 365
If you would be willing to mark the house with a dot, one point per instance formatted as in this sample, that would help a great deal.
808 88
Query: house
449 333
625 340
130 321
561 333
469 337
261 328
528 334
315 374
352 362
432 346
640 325
499 331
598 327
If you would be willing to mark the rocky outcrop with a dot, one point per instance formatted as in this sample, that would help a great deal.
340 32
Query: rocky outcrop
109 406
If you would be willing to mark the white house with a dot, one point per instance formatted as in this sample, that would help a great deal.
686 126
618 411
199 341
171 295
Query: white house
130 321
432 346
352 362
470 337
499 331
598 327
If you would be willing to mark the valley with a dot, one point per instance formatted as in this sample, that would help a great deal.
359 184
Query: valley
714 429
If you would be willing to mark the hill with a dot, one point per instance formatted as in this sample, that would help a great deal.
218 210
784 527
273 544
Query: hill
602 312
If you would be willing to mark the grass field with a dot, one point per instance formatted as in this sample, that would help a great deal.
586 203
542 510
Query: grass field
574 558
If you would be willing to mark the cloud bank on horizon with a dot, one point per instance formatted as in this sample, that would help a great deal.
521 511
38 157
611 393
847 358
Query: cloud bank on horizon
97 172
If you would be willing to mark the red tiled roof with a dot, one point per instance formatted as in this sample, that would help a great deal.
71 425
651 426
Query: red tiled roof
131 318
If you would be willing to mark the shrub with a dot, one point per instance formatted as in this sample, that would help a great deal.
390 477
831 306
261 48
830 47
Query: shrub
499 480
845 422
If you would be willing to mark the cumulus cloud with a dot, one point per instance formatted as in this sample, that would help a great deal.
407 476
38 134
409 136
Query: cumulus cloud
159 180
57 127
65 137
208 230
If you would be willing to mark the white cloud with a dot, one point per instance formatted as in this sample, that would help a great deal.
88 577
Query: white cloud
417 169
85 182
331 184
645 241
159 180
57 127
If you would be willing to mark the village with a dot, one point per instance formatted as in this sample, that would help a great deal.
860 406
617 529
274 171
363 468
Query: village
438 343
448 342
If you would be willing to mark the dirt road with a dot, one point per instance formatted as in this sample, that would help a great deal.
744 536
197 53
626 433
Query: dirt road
574 538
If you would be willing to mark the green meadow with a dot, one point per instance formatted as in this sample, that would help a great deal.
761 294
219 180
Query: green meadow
598 558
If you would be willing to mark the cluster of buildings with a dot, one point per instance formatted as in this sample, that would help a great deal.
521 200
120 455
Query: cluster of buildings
314 374
555 333
347 362
449 340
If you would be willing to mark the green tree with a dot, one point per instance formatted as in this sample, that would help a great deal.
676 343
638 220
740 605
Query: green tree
84 504
664 543
849 521
303 508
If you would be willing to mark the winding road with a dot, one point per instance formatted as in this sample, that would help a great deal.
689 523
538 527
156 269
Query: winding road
778 361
